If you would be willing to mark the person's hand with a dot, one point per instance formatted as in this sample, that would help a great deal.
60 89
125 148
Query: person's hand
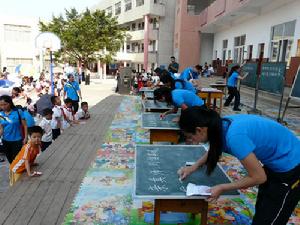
184 172
36 174
25 140
162 116
215 191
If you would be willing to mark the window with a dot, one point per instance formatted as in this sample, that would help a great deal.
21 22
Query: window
239 46
109 11
11 63
282 36
225 43
133 26
17 33
249 51
139 3
118 8
128 5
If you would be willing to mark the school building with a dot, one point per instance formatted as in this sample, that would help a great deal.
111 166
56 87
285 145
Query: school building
150 29
225 31
17 44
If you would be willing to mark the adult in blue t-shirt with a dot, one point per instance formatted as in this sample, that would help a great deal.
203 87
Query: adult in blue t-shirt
191 73
233 77
72 91
179 98
269 152
11 120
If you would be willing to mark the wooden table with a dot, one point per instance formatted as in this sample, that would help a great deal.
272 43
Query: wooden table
209 94
219 86
161 130
193 206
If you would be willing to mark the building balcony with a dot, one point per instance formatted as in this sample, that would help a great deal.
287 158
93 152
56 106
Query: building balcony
137 13
222 14
137 57
140 34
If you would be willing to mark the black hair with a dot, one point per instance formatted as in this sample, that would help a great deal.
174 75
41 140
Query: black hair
35 129
69 75
53 97
163 92
198 67
158 71
20 107
196 116
84 103
68 100
172 57
233 69
17 89
47 111
8 100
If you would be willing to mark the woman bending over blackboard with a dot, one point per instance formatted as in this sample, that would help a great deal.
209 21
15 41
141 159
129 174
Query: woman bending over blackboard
233 77
179 98
269 152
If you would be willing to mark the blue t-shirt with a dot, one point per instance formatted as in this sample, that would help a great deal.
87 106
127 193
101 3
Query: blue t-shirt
273 144
188 74
180 96
11 125
186 86
232 80
71 89
29 119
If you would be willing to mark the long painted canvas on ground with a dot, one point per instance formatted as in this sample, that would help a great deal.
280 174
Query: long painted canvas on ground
105 196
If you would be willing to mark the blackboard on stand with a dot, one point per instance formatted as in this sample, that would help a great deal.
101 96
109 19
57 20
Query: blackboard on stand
156 172
294 94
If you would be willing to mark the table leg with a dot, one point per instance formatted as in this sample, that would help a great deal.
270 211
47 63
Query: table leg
204 214
156 213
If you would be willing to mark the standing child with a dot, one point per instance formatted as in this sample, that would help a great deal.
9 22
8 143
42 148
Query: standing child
45 124
83 112
68 113
57 117
26 157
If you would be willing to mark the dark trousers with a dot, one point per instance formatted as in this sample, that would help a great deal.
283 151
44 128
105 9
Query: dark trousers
75 105
45 145
11 149
277 197
233 93
55 133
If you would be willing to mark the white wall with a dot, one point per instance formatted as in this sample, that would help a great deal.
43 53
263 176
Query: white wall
258 30
166 34
206 48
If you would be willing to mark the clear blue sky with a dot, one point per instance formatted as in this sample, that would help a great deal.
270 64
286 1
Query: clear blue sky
42 8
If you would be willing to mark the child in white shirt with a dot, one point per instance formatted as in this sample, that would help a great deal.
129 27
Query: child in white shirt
45 124
83 112
68 113
57 117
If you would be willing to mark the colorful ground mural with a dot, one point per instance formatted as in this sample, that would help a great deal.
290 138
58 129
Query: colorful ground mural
105 196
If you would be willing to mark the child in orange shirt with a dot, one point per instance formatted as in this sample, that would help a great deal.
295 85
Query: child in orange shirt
26 156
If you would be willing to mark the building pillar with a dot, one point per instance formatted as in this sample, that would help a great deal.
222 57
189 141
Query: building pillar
104 71
99 69
146 42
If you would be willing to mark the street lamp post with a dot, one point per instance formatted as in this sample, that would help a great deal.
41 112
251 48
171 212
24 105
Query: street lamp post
50 42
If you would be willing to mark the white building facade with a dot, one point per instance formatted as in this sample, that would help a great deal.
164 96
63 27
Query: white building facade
253 29
17 42
150 29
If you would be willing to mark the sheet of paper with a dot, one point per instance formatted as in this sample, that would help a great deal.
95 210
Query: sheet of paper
193 189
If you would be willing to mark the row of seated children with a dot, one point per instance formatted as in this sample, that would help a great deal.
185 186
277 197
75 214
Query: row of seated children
54 121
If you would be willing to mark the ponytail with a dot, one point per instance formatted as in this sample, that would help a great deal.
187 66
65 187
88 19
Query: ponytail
196 116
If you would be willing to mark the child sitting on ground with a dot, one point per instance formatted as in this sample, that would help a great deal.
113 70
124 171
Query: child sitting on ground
26 157
83 112
45 124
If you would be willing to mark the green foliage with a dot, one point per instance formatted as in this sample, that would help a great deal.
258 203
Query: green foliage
86 36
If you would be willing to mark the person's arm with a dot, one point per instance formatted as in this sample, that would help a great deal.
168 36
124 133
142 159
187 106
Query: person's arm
79 93
1 130
27 166
171 111
24 124
256 176
184 172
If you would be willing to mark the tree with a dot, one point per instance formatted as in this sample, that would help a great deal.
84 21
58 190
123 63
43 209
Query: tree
87 36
